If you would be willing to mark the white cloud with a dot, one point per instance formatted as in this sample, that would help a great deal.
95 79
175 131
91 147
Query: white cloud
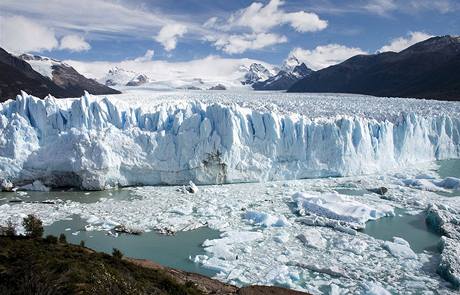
401 43
74 43
169 34
442 6
212 22
100 17
233 44
381 6
146 57
324 56
384 7
305 21
19 34
260 18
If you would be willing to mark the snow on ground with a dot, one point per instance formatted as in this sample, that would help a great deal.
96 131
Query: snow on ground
202 73
218 137
264 239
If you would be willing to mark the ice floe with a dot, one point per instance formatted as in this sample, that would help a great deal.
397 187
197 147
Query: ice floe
308 257
264 219
339 207
400 248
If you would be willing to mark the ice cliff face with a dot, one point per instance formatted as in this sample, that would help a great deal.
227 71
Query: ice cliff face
96 143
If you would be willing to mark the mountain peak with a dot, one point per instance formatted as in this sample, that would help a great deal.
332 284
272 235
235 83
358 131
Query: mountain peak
302 70
428 69
290 63
436 44
256 72
32 57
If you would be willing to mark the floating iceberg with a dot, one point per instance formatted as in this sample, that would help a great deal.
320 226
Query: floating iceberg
338 207
94 143
428 183
400 248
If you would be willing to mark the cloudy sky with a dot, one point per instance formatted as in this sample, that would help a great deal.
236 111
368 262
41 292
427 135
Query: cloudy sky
320 32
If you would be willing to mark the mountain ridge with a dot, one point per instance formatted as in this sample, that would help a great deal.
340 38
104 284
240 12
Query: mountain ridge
284 79
428 69
51 77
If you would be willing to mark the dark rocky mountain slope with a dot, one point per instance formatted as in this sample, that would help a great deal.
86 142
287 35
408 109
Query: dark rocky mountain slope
429 69
17 74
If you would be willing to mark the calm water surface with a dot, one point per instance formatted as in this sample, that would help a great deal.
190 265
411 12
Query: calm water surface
172 251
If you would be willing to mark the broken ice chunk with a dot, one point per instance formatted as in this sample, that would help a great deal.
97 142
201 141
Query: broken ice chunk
339 207
400 248
266 220
313 239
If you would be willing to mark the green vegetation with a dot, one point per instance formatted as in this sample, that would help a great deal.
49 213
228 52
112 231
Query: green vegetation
42 266
8 230
117 254
50 239
62 239
33 226
34 265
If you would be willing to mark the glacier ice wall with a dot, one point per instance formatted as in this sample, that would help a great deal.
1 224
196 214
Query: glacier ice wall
95 143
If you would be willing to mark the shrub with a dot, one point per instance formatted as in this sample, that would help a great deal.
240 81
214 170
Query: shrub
117 254
51 239
33 226
9 230
62 239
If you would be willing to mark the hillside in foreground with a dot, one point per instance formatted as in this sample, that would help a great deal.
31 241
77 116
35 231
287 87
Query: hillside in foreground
45 266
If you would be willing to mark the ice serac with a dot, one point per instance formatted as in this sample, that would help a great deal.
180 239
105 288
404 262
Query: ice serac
94 143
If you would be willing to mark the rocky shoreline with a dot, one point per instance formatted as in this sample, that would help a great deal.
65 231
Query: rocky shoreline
211 286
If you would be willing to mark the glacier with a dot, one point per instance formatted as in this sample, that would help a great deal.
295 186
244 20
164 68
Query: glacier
96 143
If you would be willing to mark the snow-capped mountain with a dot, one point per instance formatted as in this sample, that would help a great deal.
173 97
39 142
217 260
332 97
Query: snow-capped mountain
65 76
301 71
42 64
285 77
138 80
290 63
201 73
256 72
41 76
16 75
118 77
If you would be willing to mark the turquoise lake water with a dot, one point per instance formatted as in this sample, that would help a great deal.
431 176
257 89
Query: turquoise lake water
411 228
172 251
